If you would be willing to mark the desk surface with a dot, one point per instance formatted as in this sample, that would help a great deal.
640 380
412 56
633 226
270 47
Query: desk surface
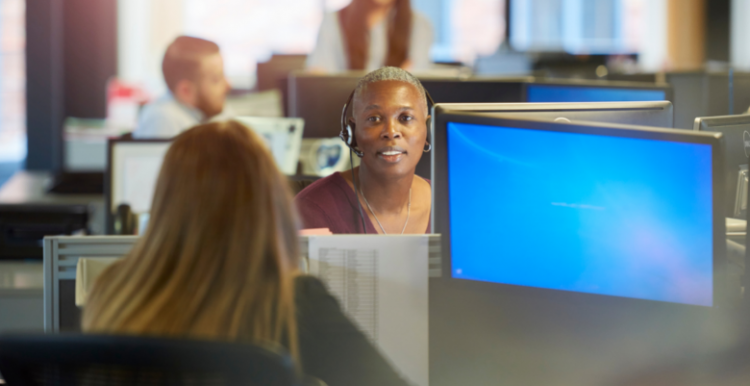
21 276
21 296
27 187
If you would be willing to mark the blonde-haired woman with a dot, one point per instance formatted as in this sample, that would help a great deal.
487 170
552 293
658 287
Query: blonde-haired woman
219 261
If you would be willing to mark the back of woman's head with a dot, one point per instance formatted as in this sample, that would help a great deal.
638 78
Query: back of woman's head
217 257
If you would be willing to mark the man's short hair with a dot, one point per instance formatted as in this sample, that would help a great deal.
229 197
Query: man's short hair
393 74
182 59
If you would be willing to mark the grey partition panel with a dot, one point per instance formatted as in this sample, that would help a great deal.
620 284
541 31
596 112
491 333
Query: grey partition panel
698 94
61 254
740 93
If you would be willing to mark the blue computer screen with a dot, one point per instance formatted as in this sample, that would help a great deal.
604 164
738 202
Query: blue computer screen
579 212
546 93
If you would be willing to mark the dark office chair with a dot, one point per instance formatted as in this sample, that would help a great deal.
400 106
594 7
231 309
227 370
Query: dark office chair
92 360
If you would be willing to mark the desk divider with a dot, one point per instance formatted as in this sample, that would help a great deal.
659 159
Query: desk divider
61 255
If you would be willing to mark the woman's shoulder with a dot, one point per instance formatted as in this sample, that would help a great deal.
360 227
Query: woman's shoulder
327 203
306 286
331 187
313 298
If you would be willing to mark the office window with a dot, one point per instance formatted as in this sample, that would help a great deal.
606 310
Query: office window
251 31
248 32
12 87
577 26
464 29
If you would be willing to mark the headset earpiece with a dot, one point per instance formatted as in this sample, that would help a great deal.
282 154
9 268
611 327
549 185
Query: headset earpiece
346 135
350 134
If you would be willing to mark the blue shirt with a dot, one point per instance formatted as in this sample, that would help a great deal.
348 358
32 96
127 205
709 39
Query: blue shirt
166 117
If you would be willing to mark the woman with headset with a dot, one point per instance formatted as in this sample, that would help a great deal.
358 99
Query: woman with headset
369 34
388 131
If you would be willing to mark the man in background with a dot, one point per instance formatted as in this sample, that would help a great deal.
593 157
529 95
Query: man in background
194 72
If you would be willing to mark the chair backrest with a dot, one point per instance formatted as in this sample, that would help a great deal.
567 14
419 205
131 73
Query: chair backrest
83 359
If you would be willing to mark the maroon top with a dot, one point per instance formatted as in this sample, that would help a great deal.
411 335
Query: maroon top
330 203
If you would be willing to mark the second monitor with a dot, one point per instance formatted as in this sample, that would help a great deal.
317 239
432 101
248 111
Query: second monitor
595 91
736 132
626 211
655 114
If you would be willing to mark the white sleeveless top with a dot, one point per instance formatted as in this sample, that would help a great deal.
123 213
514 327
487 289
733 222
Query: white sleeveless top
330 55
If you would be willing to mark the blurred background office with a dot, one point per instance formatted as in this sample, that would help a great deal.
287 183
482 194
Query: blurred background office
75 76
102 59
76 73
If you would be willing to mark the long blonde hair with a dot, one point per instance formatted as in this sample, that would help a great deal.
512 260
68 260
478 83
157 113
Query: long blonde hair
218 258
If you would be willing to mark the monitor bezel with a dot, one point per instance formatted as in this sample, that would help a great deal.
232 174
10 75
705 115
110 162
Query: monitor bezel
715 122
440 197
111 143
500 108
668 91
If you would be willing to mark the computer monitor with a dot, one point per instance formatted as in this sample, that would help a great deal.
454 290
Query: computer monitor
622 212
595 91
475 90
282 135
740 92
133 167
318 99
736 132
658 113
655 114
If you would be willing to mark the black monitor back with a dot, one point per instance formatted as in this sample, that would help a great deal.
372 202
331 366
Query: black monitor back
740 92
736 130
698 94
475 90
319 99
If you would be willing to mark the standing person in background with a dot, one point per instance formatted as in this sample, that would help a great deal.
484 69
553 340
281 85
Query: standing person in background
369 34
194 72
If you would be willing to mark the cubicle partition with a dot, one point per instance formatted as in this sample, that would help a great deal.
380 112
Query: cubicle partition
62 253
61 256
698 94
